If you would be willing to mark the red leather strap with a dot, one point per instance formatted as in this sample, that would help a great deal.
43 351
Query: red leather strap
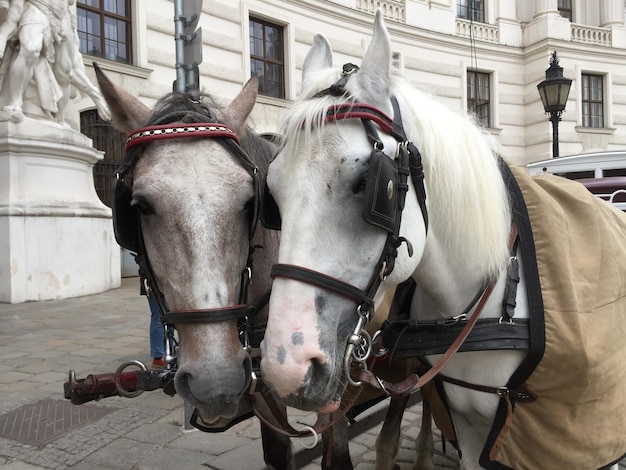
177 131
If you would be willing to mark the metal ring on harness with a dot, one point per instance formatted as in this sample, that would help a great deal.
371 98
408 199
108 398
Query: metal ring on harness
359 347
118 379
313 434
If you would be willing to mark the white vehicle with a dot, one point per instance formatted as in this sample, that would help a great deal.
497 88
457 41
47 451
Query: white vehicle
603 173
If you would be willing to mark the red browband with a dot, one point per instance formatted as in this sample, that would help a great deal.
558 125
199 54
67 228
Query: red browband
359 111
177 131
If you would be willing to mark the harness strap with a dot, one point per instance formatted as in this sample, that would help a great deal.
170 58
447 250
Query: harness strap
415 160
402 339
414 382
520 393
322 280
339 87
208 315
168 131
278 422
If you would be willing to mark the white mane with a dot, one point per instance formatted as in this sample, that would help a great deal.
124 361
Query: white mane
467 201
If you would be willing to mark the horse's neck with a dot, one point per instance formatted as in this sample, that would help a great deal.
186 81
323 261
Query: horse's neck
445 289
265 255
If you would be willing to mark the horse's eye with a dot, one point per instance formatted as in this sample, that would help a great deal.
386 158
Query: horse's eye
359 185
249 206
142 204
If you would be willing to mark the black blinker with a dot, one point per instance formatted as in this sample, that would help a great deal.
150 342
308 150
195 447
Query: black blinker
270 215
381 189
125 217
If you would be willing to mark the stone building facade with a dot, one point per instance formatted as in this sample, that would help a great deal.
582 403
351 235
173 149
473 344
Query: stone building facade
485 55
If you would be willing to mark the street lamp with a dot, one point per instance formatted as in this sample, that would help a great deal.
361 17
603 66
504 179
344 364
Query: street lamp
554 91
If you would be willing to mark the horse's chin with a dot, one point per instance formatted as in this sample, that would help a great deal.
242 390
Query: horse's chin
313 399
213 417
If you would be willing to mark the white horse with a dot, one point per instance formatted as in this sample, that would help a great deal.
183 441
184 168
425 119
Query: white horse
333 183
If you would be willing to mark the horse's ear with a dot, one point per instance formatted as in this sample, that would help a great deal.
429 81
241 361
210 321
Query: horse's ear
375 72
319 57
238 110
127 112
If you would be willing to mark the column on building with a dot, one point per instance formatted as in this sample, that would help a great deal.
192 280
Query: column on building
544 7
611 12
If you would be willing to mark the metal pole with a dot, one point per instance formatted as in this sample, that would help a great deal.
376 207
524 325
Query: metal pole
179 37
555 118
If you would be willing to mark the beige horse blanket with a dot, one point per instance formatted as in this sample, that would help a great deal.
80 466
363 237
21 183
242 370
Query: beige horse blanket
578 420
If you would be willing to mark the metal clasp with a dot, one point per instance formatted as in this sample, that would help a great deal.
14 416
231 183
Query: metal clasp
454 320
359 347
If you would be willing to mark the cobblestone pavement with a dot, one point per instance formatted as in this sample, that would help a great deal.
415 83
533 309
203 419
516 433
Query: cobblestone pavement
41 341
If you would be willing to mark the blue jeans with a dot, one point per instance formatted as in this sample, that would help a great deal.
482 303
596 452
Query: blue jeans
157 332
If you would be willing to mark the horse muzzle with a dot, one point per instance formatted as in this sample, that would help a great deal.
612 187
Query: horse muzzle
214 389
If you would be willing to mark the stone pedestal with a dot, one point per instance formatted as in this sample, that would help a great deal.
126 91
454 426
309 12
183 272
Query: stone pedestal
56 236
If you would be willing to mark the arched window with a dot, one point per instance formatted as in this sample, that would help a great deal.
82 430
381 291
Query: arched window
108 139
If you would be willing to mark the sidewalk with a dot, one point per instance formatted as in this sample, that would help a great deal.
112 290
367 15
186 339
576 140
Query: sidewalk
41 341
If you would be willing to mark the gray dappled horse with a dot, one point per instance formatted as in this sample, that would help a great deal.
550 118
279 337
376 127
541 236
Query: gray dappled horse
195 201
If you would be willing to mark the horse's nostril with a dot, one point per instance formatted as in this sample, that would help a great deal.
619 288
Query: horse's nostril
318 359
184 378
182 382
316 362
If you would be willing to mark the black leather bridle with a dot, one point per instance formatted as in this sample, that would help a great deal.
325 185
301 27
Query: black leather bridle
227 137
407 161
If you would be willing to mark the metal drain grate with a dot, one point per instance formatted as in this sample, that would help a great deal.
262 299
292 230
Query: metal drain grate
43 422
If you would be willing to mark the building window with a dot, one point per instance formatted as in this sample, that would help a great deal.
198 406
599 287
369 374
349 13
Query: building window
267 58
592 100
565 9
396 61
478 97
473 10
104 29
108 139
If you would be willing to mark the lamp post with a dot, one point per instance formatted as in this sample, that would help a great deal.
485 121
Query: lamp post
554 91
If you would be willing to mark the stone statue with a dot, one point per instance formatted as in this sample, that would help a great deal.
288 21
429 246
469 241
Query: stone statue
41 60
